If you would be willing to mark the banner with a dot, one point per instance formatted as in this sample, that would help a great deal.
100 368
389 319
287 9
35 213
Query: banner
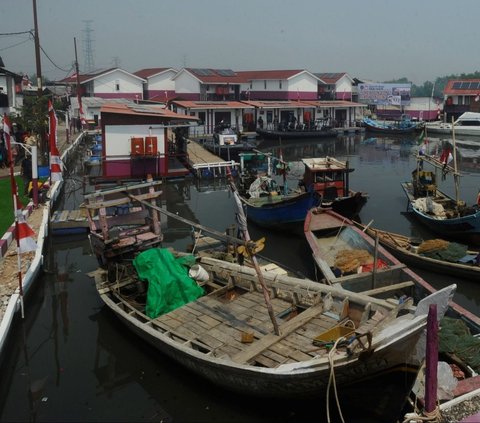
384 94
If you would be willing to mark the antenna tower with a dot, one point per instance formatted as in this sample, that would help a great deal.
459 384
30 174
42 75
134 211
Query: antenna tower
87 41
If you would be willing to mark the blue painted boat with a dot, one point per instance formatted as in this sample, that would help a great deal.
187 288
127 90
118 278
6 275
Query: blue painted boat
441 213
403 126
277 210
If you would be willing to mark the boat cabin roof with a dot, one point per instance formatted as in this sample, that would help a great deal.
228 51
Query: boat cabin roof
320 164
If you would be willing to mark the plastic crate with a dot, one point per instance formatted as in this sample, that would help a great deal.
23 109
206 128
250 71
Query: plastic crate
330 336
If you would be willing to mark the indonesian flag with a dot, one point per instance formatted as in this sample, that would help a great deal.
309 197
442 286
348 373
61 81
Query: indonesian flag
477 98
6 128
446 156
55 161
26 235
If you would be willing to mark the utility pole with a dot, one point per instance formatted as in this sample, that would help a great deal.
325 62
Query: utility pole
42 139
37 50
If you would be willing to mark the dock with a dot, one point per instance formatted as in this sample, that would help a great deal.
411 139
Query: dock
68 222
204 163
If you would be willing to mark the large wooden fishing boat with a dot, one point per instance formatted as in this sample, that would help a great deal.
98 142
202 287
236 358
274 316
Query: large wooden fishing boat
258 332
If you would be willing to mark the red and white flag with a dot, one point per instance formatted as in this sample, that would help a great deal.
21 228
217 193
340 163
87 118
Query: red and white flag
26 235
55 161
477 98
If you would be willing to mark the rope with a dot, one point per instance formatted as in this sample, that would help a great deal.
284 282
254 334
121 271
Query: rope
331 380
433 416
196 238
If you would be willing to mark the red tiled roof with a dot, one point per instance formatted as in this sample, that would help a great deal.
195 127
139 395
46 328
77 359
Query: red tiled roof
330 78
216 76
279 104
187 104
148 72
269 74
462 87
143 110
85 77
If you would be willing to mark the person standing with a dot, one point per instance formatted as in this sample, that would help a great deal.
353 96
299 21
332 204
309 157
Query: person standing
26 171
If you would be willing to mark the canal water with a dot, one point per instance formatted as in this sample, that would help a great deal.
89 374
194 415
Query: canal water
71 360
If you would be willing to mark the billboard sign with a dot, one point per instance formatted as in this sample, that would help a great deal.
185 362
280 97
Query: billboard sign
384 94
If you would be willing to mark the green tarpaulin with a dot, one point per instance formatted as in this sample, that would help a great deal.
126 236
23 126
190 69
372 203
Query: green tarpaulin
169 285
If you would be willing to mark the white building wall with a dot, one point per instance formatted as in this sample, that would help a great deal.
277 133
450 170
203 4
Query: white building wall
127 84
162 81
302 82
118 138
185 83
343 85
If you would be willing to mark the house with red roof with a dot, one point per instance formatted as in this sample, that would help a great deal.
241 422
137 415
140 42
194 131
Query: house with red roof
296 84
201 84
135 141
335 86
159 84
108 83
460 96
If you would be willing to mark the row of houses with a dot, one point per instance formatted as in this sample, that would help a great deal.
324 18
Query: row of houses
268 93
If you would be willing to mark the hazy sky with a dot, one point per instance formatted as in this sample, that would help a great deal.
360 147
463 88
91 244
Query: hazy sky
371 39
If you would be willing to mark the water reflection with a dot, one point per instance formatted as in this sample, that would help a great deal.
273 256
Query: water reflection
72 359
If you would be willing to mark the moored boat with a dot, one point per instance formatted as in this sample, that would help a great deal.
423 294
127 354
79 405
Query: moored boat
403 126
348 257
447 216
330 178
435 255
271 134
467 124
222 331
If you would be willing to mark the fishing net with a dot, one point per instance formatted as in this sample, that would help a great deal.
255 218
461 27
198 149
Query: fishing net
349 260
442 250
169 285
456 339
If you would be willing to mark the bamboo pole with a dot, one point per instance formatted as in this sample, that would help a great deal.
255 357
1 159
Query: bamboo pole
455 175
243 227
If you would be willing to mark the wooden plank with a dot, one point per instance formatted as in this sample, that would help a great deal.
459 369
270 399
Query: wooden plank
285 330
388 288
120 201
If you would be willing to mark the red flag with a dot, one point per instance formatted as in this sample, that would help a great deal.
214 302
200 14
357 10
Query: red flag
55 161
26 235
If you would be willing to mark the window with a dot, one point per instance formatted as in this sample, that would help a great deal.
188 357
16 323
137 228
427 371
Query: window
265 84
251 84
117 85
467 99
280 84
460 100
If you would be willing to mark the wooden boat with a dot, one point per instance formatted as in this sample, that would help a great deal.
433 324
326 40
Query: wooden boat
121 225
349 258
449 217
330 178
275 210
270 134
403 126
435 255
266 202
315 332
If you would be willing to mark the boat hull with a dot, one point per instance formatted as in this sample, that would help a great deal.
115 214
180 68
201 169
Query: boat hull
278 213
308 379
349 207
296 134
464 228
